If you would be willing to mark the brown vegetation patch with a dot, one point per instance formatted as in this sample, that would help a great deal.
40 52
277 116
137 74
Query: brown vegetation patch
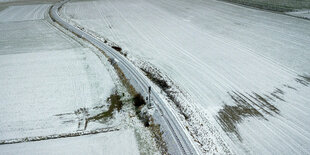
303 79
247 105
116 104
157 80
163 84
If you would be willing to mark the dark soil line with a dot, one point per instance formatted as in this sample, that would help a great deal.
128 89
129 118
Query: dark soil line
261 6
265 7
56 136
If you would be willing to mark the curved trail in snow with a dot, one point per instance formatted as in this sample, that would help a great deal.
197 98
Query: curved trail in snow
174 127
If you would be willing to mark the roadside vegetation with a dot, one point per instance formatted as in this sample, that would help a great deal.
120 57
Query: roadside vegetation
148 121
2 8
275 5
163 84
141 110
116 104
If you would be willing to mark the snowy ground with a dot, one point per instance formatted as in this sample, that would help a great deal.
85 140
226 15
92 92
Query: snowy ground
118 142
246 70
36 89
20 13
46 78
26 2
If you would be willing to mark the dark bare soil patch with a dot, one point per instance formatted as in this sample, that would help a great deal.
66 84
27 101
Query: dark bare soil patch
247 105
230 115
303 79
116 104
63 114
288 86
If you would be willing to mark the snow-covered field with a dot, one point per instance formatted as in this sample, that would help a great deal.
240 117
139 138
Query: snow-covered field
26 2
118 142
50 83
20 13
36 91
245 71
44 75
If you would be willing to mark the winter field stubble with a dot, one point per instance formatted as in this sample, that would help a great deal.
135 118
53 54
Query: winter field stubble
244 72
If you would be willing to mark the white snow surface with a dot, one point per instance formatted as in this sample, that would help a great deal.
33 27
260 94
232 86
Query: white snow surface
211 49
3 1
32 36
111 143
23 12
36 87
44 78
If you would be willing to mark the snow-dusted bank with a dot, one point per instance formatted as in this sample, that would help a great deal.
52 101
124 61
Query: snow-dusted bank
240 75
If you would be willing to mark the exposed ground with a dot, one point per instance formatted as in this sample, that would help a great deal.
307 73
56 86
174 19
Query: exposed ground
240 74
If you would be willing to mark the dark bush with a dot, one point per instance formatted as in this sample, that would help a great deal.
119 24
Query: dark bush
159 82
138 100
117 48
146 123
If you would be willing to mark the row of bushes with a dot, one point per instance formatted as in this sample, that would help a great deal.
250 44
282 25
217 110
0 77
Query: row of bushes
275 5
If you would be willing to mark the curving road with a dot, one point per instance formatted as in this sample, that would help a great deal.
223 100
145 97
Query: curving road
173 129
